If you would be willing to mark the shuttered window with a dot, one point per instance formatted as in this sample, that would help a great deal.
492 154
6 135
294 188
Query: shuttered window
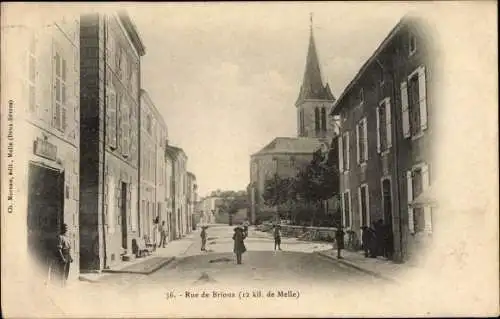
362 141
363 201
346 148
414 103
60 91
384 125
419 218
111 110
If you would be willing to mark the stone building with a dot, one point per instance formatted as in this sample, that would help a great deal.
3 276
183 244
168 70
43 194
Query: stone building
178 191
285 156
191 200
110 80
41 105
152 168
386 128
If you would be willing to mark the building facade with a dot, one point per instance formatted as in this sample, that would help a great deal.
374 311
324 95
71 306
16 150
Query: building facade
110 55
42 113
178 191
386 131
152 168
191 200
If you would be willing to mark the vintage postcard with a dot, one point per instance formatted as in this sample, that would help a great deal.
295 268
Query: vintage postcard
249 159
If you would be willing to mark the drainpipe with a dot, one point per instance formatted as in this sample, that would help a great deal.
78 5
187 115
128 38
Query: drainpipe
104 140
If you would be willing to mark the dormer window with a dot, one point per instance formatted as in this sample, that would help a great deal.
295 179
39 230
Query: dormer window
412 44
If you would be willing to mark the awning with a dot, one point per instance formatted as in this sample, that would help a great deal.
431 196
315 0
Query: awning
426 198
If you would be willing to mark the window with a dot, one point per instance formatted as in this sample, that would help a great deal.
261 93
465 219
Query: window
32 73
149 124
118 60
323 119
346 209
125 127
361 96
60 98
316 120
419 218
362 141
412 43
384 125
364 205
414 104
344 152
111 122
111 204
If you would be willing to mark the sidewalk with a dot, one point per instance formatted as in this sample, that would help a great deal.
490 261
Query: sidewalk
378 267
147 265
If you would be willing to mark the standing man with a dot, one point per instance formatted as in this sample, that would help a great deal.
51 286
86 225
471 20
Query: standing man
163 235
339 238
277 237
203 236
63 255
245 226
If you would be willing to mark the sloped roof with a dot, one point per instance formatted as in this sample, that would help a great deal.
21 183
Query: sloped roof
290 145
312 87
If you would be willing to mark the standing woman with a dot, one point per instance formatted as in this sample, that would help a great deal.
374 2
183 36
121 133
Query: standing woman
63 255
239 245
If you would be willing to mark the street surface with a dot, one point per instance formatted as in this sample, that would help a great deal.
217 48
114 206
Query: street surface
297 276
262 265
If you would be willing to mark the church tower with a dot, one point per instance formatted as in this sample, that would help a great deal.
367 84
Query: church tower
315 99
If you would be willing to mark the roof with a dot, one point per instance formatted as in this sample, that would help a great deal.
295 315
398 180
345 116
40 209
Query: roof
403 22
290 145
173 151
132 32
191 175
312 87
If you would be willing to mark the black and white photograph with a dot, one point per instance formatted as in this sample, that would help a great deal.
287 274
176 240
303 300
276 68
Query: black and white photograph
249 159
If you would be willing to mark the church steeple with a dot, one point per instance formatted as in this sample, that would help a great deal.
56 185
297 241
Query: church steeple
312 84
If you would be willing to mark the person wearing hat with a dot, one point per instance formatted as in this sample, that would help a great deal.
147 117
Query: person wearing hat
239 245
203 236
63 254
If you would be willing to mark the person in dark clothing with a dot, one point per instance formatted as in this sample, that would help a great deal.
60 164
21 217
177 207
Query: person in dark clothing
388 241
372 241
203 236
277 237
239 245
339 239
64 258
366 237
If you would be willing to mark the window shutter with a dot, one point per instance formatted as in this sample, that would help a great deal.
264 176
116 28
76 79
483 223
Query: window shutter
349 210
428 219
409 187
53 90
423 97
378 129
360 212
341 153
388 122
358 157
365 139
348 157
405 110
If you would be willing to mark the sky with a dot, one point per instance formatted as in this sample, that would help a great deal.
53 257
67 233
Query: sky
226 76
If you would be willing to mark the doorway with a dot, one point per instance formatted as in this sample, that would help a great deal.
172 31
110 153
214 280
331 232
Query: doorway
123 214
45 212
387 201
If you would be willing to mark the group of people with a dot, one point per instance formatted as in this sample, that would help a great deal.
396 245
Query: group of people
377 240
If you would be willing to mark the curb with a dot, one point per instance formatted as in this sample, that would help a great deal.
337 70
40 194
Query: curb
147 272
354 266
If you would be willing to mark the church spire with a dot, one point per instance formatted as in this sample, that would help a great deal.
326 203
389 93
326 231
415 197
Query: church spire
312 83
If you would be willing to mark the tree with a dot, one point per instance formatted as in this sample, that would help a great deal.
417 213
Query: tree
279 192
318 181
